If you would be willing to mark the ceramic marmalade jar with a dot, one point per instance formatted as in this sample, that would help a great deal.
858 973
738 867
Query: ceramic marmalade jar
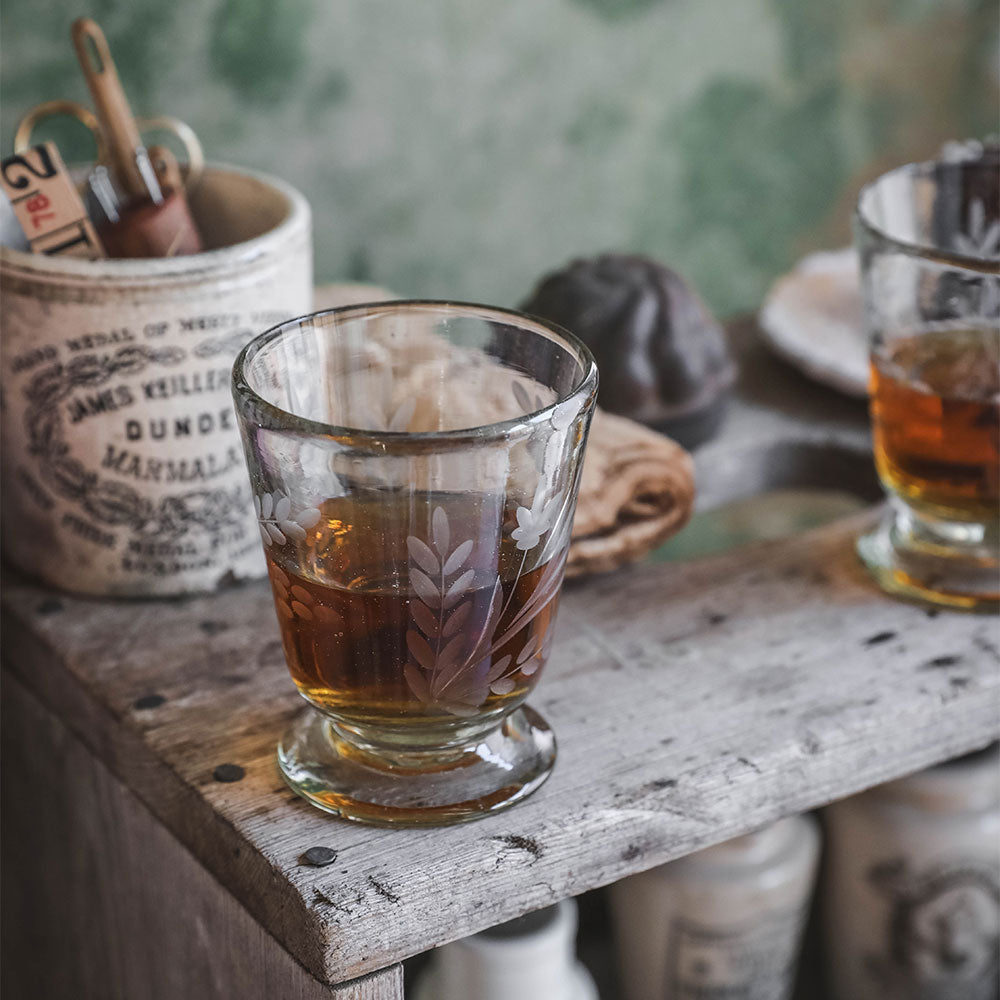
911 895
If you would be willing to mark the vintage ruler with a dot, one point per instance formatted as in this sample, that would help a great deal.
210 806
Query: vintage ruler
47 204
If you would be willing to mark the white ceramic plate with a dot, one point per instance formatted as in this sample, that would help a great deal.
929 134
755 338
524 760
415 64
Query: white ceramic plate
812 318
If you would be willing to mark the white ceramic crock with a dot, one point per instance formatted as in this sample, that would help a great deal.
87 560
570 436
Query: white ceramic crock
723 922
911 898
123 472
531 958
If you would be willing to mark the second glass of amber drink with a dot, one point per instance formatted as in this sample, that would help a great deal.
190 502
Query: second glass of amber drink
929 239
415 467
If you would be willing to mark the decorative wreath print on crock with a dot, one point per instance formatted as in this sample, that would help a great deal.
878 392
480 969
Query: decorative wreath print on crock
941 929
229 344
451 668
106 500
274 517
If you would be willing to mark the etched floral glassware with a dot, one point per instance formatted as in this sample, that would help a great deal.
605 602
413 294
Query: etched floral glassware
929 241
415 467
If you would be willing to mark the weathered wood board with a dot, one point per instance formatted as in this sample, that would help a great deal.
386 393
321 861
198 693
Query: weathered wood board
692 703
101 902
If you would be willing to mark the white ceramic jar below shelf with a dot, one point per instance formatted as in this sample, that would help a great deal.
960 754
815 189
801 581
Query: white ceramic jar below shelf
724 922
911 899
531 958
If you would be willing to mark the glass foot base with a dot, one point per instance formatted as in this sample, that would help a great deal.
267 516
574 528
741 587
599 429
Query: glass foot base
428 790
906 565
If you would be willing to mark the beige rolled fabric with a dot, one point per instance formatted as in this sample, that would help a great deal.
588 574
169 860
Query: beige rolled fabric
637 490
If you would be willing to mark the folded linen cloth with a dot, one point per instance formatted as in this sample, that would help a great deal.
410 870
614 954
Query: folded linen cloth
636 489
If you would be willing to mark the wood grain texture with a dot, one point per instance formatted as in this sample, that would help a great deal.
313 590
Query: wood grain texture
101 902
692 703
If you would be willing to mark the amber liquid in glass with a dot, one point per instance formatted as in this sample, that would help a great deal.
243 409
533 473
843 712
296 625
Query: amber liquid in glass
376 637
936 422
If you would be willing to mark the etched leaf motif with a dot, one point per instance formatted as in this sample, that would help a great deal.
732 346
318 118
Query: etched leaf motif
276 522
328 616
425 588
464 709
421 554
521 395
458 588
292 530
449 671
440 530
980 240
450 652
529 648
548 586
308 518
498 668
426 619
456 619
449 668
457 559
417 682
420 649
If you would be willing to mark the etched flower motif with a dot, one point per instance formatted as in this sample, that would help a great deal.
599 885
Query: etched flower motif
980 240
274 518
533 523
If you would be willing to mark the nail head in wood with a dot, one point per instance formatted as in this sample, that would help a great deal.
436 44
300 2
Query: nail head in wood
228 772
319 857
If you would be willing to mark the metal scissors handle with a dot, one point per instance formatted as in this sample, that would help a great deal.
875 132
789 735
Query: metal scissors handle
164 123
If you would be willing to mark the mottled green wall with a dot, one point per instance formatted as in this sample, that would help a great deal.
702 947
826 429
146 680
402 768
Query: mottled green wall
460 148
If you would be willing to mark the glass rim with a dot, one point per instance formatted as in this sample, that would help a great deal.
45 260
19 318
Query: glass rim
927 251
280 419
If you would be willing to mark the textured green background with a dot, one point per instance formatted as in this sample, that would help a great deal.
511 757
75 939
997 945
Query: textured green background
461 148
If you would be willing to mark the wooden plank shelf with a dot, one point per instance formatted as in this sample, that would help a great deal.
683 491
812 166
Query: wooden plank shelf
692 702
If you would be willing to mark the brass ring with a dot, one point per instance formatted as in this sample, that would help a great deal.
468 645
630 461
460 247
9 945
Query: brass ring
189 140
86 117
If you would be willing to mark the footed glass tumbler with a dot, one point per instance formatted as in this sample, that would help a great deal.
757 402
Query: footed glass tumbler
415 468
929 238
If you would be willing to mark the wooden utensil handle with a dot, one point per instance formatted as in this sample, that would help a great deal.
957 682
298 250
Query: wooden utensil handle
113 112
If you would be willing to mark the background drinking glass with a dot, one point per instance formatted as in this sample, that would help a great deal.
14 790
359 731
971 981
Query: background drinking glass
414 469
929 239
